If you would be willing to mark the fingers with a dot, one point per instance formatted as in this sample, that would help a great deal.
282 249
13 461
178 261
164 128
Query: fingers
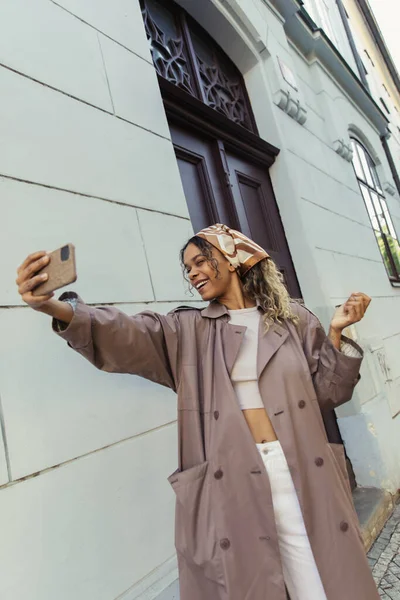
355 310
29 277
28 285
29 298
32 266
31 258
367 301
363 297
356 306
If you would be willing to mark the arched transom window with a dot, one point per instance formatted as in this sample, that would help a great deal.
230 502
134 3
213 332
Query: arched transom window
185 55
378 212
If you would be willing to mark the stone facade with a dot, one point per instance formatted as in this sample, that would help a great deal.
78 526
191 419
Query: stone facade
86 156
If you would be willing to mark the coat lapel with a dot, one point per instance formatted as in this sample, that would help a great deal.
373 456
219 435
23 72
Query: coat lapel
232 338
268 344
232 335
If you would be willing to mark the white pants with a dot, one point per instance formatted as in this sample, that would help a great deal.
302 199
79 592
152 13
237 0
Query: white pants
298 565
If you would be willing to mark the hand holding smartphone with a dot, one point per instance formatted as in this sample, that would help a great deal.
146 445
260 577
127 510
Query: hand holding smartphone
61 271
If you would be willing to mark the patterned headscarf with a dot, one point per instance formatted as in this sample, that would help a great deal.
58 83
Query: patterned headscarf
240 250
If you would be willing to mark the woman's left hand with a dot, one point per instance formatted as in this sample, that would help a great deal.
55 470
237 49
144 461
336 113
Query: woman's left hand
352 311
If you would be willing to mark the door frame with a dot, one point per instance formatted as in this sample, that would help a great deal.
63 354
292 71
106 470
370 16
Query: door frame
189 111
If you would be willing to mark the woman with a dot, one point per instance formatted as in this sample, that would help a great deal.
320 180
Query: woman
263 500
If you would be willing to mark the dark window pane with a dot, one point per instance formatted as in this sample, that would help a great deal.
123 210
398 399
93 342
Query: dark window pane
164 19
370 207
388 219
203 50
385 254
385 106
184 54
366 168
221 82
357 163
394 249
374 174
379 210
167 45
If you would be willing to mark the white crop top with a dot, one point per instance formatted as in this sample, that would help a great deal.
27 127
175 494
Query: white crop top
244 372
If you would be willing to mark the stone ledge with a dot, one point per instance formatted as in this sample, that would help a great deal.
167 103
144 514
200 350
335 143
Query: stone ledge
344 149
373 506
291 105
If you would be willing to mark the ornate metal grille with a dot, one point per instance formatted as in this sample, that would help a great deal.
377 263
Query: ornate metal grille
167 45
184 54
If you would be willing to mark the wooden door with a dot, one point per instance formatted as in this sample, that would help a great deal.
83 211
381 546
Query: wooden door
259 215
223 187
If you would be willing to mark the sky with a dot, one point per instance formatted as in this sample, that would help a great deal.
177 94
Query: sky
387 15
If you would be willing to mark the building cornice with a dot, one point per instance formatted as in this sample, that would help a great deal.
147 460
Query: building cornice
314 44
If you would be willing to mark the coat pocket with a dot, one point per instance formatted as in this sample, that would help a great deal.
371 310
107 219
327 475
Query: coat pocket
195 532
340 461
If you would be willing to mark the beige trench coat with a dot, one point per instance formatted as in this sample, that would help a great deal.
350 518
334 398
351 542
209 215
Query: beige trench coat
226 539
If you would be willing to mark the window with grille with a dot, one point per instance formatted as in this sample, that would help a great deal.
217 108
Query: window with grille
378 212
185 55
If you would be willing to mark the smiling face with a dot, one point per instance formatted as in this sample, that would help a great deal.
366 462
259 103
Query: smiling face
202 274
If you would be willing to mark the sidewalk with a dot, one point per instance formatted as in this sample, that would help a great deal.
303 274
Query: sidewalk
384 558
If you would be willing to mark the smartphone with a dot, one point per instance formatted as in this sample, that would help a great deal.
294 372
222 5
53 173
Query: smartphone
61 271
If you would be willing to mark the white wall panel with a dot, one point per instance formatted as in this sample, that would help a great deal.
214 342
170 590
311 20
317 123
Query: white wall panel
45 42
392 349
52 139
121 20
335 194
334 232
164 237
138 103
92 528
383 316
111 262
58 406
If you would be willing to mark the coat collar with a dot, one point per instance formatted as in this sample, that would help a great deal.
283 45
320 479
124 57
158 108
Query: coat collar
215 310
268 343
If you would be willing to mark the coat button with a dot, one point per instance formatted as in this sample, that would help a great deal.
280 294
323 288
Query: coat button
344 526
319 461
302 403
216 414
225 544
218 474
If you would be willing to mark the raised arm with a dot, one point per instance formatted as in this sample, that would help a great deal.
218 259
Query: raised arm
145 344
334 360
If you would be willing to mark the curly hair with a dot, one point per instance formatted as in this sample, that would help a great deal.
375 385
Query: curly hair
263 283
